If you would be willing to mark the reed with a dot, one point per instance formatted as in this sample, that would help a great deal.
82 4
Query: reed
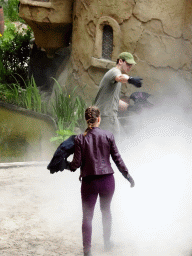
68 108
28 97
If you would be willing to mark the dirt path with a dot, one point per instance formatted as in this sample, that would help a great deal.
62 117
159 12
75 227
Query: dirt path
24 230
40 214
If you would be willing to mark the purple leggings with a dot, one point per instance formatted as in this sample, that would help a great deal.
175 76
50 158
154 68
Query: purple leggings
92 186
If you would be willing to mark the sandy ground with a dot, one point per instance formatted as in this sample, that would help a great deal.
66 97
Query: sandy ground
24 230
41 214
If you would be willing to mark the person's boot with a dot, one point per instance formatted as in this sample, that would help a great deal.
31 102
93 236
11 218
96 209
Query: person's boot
108 245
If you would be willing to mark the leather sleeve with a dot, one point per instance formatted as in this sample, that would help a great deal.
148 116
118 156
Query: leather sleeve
76 162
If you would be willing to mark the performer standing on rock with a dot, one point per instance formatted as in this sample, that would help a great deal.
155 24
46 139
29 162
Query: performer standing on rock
107 98
92 154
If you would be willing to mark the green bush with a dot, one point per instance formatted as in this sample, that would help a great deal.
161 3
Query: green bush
61 134
14 54
10 9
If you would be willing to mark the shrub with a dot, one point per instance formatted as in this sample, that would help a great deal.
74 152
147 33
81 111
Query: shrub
10 9
14 53
68 107
28 96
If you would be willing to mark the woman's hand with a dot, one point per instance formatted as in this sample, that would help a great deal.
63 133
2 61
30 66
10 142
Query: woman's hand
131 180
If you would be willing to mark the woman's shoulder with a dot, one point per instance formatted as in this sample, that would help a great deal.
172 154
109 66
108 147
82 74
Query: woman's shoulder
79 137
96 131
106 133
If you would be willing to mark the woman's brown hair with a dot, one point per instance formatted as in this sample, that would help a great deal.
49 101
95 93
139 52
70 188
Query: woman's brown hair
91 115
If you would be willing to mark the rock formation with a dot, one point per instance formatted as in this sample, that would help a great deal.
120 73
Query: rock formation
157 32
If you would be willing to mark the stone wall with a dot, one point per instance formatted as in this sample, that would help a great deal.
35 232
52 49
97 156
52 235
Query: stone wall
157 32
25 135
51 22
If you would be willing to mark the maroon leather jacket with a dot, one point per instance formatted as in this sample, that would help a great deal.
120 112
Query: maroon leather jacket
92 153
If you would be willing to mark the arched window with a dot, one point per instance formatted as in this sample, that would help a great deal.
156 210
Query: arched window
107 42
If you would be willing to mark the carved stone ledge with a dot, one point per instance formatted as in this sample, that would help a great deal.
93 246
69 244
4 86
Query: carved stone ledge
37 3
102 63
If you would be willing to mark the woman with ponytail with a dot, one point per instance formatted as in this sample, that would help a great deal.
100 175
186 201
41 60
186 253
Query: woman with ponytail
92 155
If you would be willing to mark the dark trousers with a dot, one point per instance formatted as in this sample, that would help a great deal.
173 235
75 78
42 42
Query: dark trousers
92 186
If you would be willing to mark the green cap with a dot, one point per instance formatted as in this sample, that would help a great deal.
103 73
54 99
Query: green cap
128 57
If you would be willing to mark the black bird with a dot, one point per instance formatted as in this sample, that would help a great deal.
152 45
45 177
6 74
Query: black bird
59 159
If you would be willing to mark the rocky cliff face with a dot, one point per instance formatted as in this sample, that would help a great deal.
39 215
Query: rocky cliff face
157 32
51 22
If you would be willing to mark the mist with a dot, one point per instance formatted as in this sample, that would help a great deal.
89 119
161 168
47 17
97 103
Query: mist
153 218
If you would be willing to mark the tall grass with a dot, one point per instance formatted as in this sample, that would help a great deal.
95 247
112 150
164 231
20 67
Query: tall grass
28 97
68 108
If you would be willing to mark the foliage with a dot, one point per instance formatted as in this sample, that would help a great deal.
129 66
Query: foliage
61 134
14 53
10 9
68 108
28 97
